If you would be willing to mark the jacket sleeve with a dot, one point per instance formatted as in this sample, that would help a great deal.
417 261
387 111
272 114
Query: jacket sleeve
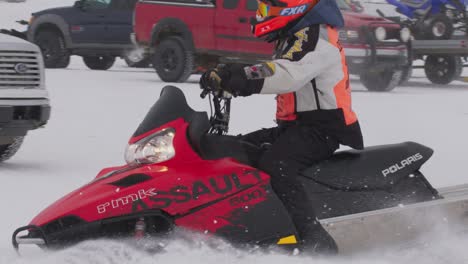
290 76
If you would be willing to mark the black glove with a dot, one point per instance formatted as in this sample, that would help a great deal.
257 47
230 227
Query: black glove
231 78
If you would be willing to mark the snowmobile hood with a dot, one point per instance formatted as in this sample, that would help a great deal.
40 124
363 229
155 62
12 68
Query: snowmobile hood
84 202
130 190
324 12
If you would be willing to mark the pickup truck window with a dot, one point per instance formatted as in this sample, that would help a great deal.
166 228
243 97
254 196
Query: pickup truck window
96 4
252 5
230 4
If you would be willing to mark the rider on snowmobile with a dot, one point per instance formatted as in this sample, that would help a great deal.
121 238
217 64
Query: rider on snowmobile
314 115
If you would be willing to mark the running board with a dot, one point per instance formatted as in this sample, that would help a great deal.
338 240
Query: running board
396 225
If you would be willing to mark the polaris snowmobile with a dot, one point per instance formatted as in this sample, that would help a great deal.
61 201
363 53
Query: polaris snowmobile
184 171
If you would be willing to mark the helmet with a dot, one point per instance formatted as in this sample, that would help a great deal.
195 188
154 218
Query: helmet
274 15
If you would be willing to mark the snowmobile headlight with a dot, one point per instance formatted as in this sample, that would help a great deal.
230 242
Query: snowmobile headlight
380 33
156 148
405 34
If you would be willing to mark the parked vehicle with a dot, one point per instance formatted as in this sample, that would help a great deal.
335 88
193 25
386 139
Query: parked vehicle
433 19
97 30
182 36
443 58
24 103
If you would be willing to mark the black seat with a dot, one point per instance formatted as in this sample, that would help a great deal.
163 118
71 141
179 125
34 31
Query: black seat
378 167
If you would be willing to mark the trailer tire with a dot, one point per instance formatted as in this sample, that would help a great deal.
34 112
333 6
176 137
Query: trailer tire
442 69
172 60
382 81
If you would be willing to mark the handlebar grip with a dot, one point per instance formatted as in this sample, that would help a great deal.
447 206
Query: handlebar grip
204 93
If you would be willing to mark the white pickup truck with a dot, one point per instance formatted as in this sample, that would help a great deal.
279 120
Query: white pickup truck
24 101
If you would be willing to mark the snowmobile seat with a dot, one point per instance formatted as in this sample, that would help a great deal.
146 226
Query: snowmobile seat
374 168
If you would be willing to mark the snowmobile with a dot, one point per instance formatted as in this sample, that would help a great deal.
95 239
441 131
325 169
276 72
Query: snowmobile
183 170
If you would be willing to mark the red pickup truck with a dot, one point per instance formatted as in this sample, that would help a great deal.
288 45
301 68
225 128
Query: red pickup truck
185 35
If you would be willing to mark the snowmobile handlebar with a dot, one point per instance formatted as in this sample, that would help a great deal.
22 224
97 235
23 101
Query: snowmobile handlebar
220 106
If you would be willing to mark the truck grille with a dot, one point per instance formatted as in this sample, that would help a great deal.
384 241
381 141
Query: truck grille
19 69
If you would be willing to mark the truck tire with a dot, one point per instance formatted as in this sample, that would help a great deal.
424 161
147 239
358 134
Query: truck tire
54 51
442 69
439 27
406 74
101 63
172 60
9 150
382 81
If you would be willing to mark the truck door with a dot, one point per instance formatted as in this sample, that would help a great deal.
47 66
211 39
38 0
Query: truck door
233 30
88 24
119 22
247 40
228 25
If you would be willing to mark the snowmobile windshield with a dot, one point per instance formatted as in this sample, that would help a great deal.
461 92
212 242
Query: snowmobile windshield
170 106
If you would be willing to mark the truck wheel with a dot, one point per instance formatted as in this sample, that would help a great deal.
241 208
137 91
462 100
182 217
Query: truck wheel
439 27
172 60
99 62
382 81
442 69
53 49
9 150
406 74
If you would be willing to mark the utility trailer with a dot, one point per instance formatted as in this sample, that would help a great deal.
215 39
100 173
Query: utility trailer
443 59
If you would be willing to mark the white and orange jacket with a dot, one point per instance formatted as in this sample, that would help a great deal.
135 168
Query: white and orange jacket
310 75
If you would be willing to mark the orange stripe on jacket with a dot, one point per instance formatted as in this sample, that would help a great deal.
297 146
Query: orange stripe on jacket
342 90
286 107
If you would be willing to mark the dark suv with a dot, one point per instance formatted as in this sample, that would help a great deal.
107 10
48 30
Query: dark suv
97 30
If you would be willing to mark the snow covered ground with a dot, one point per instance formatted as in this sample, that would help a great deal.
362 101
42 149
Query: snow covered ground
94 113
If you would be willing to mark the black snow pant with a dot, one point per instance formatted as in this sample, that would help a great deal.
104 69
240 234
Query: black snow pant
295 147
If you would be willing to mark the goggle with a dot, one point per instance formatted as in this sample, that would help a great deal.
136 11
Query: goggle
265 10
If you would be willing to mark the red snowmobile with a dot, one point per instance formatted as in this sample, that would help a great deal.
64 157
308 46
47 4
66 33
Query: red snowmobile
184 171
